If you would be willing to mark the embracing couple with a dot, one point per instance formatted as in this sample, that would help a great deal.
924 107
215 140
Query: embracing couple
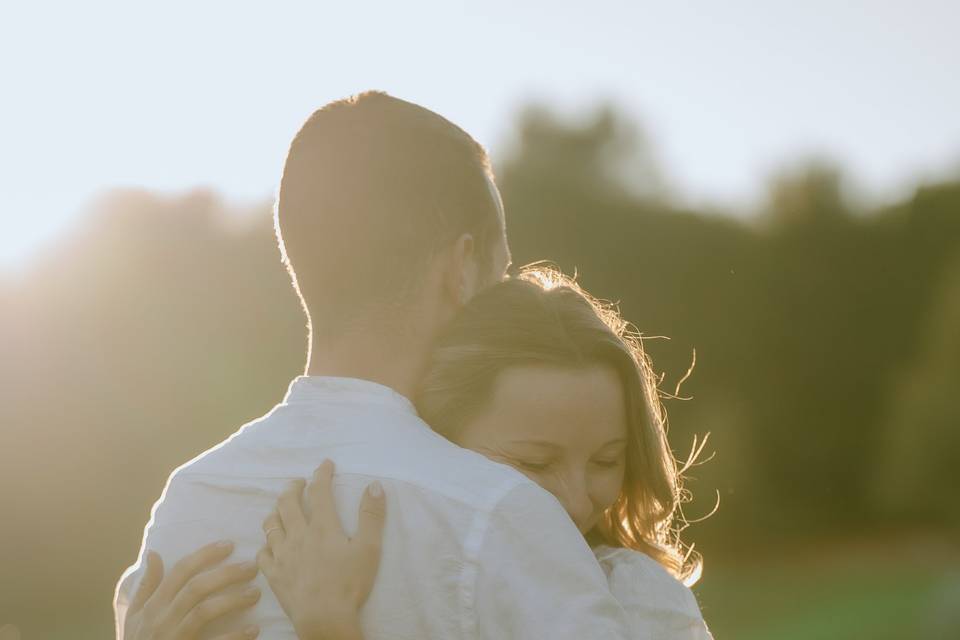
469 454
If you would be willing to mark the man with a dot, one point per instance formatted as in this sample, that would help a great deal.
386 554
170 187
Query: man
389 221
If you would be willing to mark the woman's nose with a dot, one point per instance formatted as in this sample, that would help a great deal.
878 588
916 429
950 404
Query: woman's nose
576 500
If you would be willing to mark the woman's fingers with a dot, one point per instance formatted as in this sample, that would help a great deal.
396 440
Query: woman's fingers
373 509
273 530
189 566
267 563
152 576
323 508
289 505
204 585
216 607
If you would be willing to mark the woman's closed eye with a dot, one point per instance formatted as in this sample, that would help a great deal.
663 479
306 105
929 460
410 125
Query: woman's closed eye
610 459
531 465
608 464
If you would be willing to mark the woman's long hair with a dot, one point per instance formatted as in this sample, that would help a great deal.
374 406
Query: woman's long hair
542 317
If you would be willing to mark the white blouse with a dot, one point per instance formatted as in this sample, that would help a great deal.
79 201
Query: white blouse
658 606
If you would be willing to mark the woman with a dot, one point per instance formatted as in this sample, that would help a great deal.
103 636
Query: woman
535 374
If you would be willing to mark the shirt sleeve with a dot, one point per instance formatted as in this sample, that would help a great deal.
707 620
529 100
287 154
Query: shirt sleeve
130 579
537 578
122 597
657 605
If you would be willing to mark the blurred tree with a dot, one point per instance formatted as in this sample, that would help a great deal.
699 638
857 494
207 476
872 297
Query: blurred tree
605 155
915 471
9 632
808 192
154 331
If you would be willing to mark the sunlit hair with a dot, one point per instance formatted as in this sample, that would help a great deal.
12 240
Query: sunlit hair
373 187
542 317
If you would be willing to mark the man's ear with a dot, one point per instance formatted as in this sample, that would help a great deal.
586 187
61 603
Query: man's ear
461 278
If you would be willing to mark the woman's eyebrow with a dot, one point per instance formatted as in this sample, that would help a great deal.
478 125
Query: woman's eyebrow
553 445
613 442
541 443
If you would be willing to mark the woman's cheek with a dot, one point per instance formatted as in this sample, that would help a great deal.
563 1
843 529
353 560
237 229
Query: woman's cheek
609 487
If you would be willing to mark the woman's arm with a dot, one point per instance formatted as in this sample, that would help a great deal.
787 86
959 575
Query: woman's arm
177 606
322 577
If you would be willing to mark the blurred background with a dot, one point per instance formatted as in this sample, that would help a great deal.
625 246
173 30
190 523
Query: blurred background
774 186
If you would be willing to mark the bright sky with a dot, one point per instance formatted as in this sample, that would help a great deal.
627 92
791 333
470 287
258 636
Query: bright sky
171 95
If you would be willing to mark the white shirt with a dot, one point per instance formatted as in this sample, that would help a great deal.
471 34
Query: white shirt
658 606
472 548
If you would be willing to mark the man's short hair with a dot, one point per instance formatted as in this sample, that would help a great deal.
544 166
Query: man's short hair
372 188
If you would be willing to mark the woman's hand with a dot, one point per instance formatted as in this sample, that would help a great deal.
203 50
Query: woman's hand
177 606
320 576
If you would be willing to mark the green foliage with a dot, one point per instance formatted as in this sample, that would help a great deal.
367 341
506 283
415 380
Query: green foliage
606 156
811 193
915 473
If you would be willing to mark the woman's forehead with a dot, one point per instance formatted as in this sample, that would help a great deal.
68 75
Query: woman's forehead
554 404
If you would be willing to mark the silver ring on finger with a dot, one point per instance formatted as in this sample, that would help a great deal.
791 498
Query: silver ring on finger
273 530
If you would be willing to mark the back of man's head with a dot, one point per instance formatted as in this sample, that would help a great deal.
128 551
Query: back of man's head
372 189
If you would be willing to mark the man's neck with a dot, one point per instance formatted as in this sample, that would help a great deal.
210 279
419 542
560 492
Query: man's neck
396 366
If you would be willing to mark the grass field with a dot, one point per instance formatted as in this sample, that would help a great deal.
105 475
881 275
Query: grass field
882 591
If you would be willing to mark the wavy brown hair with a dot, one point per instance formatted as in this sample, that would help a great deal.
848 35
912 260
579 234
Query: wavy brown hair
543 317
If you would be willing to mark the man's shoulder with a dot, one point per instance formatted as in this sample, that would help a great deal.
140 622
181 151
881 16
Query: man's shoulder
395 447
456 473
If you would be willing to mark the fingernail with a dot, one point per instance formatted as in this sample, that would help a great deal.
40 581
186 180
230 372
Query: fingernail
224 544
251 631
251 592
248 566
327 465
376 489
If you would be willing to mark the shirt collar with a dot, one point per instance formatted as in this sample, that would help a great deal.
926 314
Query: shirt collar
331 389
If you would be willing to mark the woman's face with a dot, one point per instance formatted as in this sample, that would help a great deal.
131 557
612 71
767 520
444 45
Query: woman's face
566 429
